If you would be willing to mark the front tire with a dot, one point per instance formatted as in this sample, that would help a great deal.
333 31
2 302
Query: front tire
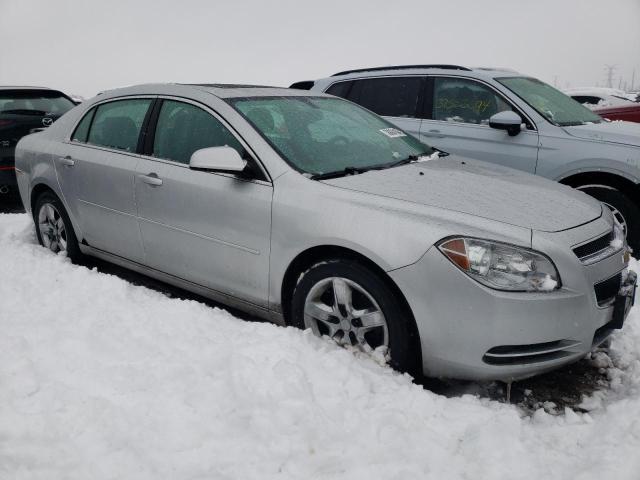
623 208
53 226
348 302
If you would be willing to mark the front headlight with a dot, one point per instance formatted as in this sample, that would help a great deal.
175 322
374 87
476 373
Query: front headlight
502 266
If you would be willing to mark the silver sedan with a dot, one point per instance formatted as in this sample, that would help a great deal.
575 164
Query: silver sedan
311 211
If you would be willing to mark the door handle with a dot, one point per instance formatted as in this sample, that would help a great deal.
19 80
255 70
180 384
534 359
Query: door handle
151 179
67 161
433 133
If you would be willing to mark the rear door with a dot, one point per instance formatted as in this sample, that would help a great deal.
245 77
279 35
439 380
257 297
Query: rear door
100 166
399 98
212 229
458 122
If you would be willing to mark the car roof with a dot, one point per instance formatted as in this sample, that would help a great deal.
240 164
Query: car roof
22 87
476 72
219 90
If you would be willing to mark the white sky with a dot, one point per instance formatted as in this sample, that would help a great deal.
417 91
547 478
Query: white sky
85 46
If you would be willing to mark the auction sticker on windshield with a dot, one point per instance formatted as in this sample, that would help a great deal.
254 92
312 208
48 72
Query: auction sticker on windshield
393 132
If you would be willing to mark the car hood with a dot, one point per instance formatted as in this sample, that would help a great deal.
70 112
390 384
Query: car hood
625 133
480 189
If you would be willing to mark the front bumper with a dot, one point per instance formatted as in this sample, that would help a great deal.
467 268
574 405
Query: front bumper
469 331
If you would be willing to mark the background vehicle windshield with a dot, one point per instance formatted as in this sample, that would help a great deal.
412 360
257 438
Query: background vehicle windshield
552 104
320 135
37 102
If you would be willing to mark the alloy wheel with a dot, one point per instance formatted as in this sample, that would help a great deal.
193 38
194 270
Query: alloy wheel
346 312
52 229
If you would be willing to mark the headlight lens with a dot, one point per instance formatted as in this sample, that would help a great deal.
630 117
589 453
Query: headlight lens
502 266
618 235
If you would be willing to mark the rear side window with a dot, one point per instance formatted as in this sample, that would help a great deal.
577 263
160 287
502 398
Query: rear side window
183 128
117 124
465 101
340 89
389 96
82 130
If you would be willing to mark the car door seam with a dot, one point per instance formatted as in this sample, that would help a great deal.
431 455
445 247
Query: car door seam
205 237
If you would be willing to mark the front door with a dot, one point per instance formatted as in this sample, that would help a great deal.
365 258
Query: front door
212 229
459 123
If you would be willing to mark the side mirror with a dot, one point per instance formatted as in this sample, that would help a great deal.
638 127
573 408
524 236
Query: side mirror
217 159
507 120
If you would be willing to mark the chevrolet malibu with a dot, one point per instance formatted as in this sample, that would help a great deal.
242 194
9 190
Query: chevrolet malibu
310 211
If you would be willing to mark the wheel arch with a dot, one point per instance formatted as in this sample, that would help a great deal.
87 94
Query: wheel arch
309 257
630 188
38 189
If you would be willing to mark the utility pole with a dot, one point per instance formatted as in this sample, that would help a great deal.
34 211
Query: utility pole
633 80
610 69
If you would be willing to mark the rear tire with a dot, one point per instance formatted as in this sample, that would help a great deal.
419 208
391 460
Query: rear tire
623 208
373 313
53 226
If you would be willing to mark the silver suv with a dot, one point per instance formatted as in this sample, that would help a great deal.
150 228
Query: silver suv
504 117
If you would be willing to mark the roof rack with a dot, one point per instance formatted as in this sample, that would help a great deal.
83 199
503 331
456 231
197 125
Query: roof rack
403 67
227 85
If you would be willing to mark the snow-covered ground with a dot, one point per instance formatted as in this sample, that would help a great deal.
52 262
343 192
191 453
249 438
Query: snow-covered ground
101 379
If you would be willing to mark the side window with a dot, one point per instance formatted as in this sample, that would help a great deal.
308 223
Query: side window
587 99
340 89
391 97
117 124
82 130
183 128
465 101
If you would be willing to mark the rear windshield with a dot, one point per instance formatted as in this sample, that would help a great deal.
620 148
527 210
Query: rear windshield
34 102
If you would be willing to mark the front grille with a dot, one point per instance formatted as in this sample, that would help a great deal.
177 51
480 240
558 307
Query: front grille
607 289
594 246
532 353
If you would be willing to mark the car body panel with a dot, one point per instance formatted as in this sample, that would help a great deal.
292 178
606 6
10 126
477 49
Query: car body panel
627 113
483 190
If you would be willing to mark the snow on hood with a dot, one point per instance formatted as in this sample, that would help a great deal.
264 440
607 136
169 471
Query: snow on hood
625 133
480 189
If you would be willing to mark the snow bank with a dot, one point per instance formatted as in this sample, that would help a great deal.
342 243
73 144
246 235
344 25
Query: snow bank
100 379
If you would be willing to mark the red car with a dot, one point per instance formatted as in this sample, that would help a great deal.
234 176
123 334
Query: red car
629 113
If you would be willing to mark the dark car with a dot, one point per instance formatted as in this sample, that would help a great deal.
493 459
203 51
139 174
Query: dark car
24 110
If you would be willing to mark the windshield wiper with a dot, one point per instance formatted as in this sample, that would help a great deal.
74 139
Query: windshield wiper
357 170
340 173
416 158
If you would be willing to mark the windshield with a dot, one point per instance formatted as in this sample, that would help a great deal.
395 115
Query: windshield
321 135
552 104
30 102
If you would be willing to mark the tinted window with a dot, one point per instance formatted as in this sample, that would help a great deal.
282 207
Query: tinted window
340 89
184 128
392 97
465 101
36 102
117 124
82 130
